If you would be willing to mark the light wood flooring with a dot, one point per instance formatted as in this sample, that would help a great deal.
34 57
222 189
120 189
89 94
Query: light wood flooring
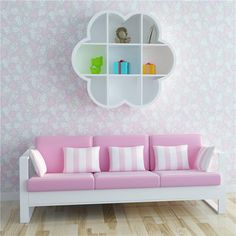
163 218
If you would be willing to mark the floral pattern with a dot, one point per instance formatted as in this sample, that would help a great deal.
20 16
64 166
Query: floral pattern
42 95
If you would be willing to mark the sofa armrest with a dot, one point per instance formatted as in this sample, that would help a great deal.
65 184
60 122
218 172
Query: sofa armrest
24 175
220 155
24 171
221 162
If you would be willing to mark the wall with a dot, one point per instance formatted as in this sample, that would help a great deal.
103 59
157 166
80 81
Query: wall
41 94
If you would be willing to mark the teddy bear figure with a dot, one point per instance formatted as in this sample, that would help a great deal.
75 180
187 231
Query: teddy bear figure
122 35
96 64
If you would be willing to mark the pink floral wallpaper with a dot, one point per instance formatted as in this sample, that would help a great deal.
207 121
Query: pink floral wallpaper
41 94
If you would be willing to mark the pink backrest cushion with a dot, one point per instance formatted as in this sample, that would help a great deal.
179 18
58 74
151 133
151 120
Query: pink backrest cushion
51 148
192 140
120 141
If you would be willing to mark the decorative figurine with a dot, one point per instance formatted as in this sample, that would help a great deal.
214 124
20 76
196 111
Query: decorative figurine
122 35
96 64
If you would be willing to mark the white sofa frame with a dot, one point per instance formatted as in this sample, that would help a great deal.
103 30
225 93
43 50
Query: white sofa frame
30 200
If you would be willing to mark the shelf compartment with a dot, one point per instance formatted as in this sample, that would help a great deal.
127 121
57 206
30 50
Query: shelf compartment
148 24
83 55
125 88
133 26
98 89
161 56
98 30
132 54
150 89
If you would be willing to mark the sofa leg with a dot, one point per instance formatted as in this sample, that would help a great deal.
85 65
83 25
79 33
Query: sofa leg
221 205
25 214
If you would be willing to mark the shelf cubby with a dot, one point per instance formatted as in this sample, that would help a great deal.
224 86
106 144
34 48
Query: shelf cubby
129 53
133 26
161 56
98 88
150 89
125 88
84 54
135 89
101 23
148 24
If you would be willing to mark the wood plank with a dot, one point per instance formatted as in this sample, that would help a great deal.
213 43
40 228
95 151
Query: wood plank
207 229
109 216
150 225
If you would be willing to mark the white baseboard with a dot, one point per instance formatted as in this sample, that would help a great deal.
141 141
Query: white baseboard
13 196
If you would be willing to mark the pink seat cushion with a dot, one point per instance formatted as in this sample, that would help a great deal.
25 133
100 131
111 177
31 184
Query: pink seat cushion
51 148
131 179
181 178
192 140
61 182
104 142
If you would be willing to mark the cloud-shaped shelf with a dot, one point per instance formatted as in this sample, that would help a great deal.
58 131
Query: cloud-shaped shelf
108 89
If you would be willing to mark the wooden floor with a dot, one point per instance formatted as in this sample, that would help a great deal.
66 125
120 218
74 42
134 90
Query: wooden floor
163 218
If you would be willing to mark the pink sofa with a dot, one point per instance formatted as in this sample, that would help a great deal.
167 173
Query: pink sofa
57 188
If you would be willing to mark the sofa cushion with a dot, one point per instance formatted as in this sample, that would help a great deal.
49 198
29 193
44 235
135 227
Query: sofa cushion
181 178
192 140
132 179
51 148
61 182
104 142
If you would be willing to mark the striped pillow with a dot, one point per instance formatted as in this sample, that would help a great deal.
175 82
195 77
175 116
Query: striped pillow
38 162
171 157
126 158
204 157
81 160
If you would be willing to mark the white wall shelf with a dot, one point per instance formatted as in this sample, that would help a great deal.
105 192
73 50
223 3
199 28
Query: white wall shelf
135 89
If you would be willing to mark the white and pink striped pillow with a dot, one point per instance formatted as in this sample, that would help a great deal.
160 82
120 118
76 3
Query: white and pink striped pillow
171 157
38 162
126 158
203 159
81 160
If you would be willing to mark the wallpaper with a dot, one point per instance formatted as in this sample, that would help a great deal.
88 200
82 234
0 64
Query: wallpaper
42 95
